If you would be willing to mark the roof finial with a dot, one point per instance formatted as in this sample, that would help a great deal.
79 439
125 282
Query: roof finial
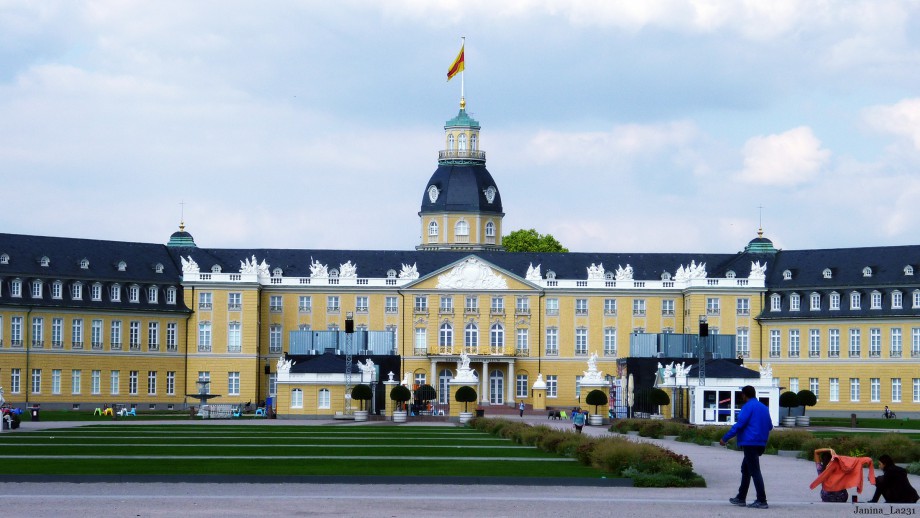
760 221
462 103
182 217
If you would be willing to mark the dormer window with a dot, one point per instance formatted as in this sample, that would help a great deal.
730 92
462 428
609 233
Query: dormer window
908 270
16 288
45 262
855 300
730 274
84 264
827 273
787 275
152 295
867 272
115 293
835 301
171 295
776 302
666 276
122 266
391 274
278 272
96 292
57 290
333 273
215 268
158 268
876 300
795 302
37 289
4 259
134 294
815 302
76 291
897 299
550 275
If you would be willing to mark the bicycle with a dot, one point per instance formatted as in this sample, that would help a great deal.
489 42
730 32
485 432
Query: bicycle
890 415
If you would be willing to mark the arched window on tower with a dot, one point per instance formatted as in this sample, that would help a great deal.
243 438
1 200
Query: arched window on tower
462 231
461 142
490 231
433 231
473 142
450 142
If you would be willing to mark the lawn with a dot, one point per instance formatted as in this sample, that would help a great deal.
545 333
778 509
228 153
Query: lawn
868 422
195 449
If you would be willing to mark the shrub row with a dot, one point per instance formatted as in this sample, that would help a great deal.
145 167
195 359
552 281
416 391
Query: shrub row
648 465
901 448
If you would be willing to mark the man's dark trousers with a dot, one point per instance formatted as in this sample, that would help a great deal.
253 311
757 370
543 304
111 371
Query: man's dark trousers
750 469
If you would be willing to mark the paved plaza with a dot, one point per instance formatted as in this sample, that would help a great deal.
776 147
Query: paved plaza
786 479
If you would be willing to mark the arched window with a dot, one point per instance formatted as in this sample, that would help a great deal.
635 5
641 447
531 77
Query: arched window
446 336
461 142
867 272
497 336
433 229
462 228
828 273
450 142
490 229
296 398
471 338
473 142
324 400
775 302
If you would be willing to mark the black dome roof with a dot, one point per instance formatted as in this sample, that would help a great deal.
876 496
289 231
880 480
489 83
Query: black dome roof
461 188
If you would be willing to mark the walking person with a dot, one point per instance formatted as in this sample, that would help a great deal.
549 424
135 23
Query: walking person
521 408
753 429
579 419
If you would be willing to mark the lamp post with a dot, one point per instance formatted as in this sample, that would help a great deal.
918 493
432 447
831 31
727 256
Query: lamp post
704 334
349 331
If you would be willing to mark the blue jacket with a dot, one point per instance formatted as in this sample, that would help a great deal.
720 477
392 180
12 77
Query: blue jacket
753 425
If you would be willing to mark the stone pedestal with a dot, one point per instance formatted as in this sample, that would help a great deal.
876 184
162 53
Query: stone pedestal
539 393
456 407
595 384
389 404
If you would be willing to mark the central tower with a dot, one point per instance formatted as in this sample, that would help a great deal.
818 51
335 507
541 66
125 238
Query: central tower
461 205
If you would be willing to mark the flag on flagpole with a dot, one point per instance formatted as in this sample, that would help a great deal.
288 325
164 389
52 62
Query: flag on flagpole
457 66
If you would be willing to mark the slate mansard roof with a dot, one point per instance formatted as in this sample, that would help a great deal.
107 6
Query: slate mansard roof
462 188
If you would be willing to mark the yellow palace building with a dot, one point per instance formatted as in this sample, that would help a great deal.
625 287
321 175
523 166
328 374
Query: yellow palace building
88 322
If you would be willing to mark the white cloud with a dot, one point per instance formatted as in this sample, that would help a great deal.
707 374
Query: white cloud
901 119
786 159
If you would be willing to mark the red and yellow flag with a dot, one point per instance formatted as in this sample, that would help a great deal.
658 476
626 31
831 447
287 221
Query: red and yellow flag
457 66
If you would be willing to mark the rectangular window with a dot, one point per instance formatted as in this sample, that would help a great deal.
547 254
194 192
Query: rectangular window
15 380
581 341
833 343
835 302
36 381
578 387
895 390
273 384
581 307
296 398
172 330
610 307
132 382
115 340
897 300
38 325
391 305
115 381
56 291
421 304
96 334
855 300
916 383
420 379
234 301
204 300
57 332
361 304
854 389
170 383
497 306
76 333
151 383
552 341
234 337
274 339
447 304
775 302
96 382
743 341
16 331
153 336
875 390
233 383
421 340
815 302
610 341
521 386
794 385
55 381
522 306
876 301
794 344
743 306
834 389
551 383
134 335
96 292
712 306
855 343
275 303
471 305
332 304
795 302
774 343
814 343
76 376
639 307
667 307
204 337
896 342
875 342
324 400
523 341
813 386
552 306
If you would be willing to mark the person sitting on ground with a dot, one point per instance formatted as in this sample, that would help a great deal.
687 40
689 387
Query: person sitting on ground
893 484
829 496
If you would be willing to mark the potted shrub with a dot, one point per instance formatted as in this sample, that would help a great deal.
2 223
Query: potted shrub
807 398
400 395
363 394
788 400
596 398
659 398
465 395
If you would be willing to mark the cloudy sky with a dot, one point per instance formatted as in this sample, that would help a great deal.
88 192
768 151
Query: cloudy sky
617 126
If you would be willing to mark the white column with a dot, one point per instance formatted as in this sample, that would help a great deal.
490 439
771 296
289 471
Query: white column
484 380
511 382
434 373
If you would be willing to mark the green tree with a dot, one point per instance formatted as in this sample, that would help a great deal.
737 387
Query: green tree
531 241
465 395
400 394
790 400
596 398
807 398
362 393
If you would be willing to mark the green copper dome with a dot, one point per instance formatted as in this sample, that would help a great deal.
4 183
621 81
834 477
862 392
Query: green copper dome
462 120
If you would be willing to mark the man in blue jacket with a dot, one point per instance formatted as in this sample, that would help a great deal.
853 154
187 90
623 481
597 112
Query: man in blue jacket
753 429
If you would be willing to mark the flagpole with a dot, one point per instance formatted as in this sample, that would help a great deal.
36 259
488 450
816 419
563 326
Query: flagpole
462 46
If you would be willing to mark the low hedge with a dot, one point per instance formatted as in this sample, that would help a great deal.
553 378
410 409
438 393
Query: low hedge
646 464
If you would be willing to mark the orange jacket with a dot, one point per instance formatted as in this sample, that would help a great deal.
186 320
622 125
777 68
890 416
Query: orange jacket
844 473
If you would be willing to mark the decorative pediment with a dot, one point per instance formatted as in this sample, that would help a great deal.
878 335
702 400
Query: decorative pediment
472 274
